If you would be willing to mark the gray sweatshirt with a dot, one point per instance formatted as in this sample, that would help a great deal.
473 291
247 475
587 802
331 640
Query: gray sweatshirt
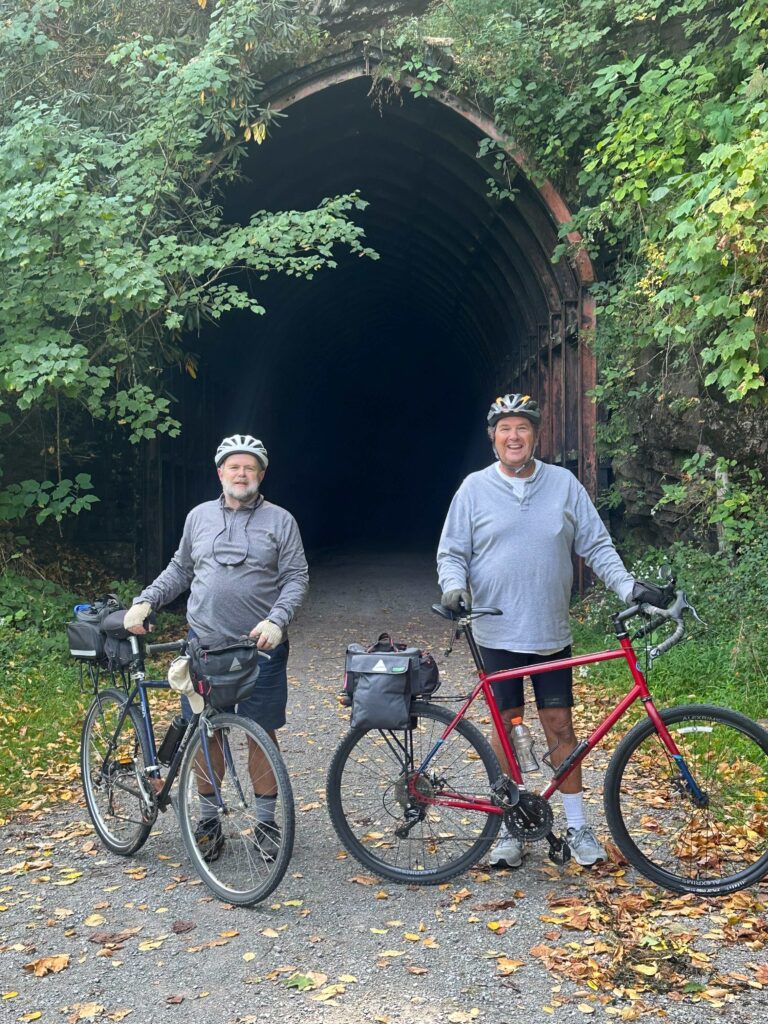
227 601
515 554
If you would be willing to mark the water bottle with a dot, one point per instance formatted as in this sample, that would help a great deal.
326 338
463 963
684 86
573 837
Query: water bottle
172 740
523 742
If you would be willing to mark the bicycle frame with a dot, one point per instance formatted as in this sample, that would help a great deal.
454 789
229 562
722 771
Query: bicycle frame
639 691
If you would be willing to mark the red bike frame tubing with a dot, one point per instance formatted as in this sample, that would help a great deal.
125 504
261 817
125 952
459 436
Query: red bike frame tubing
485 680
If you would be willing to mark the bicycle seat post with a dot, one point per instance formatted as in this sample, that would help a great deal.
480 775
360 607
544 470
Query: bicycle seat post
466 625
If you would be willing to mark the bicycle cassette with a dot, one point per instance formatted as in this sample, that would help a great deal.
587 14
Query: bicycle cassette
531 818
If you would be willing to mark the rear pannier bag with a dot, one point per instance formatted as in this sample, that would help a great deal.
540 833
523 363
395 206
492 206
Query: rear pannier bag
86 639
381 686
223 675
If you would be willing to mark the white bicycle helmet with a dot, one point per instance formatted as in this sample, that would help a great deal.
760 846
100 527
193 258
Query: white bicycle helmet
514 405
241 444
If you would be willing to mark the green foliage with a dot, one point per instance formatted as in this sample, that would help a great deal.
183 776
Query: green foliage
718 492
51 500
723 662
120 127
656 117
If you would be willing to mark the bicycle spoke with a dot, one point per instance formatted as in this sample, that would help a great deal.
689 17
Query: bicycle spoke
243 858
716 841
402 831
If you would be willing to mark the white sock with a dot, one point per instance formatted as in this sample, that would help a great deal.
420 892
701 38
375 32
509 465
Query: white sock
573 805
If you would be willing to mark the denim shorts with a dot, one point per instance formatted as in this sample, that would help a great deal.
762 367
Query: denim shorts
551 689
266 705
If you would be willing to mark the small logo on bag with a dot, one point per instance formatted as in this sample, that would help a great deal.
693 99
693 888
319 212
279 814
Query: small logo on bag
379 666
235 666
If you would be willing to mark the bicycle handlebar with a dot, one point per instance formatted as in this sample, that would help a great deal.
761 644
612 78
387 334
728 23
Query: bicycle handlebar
174 645
659 616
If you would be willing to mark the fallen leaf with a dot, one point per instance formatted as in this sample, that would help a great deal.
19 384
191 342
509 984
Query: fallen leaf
179 927
94 920
363 880
48 965
175 1000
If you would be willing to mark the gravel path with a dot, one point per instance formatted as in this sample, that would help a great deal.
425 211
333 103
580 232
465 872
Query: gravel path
487 947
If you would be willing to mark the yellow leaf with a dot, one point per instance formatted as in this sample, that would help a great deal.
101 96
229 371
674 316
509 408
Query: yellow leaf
94 920
229 935
585 1008
9 995
201 4
347 978
393 952
270 933
249 956
294 903
32 1015
87 1011
412 937
646 969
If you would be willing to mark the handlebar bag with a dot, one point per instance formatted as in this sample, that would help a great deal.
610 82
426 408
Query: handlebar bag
224 675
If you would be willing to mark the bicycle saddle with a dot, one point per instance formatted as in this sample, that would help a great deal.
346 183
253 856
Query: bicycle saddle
446 613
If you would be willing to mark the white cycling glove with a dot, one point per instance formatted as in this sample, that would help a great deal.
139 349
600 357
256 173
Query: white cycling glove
268 634
135 616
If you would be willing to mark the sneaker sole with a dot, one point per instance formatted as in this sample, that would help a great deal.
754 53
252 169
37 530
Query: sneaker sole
588 863
209 856
502 862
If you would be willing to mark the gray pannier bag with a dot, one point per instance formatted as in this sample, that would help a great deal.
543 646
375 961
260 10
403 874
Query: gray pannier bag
381 685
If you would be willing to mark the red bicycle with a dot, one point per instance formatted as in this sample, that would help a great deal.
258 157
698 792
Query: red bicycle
685 793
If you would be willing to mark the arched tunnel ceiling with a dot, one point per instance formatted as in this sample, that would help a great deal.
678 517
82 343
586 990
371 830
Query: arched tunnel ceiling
380 370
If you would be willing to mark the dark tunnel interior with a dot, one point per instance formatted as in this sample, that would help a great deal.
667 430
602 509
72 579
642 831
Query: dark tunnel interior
369 384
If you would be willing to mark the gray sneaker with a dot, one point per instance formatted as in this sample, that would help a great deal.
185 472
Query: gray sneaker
584 845
507 851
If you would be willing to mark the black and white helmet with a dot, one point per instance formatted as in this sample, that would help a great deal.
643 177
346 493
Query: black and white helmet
514 405
241 444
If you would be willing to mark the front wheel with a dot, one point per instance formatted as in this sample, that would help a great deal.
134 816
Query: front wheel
113 769
699 824
236 808
400 824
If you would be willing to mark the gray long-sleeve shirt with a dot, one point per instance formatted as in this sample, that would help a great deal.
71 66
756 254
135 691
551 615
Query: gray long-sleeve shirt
227 600
515 554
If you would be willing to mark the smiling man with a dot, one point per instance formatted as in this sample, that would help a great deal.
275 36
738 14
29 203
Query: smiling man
243 561
507 543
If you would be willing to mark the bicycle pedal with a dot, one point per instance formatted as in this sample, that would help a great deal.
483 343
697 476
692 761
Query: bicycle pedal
559 851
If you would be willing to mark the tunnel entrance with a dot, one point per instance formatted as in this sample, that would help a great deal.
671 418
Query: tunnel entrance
370 383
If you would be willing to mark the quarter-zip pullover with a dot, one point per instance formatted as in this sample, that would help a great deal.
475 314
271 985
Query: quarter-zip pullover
241 566
515 554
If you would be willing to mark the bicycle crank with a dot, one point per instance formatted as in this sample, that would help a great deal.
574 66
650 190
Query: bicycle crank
531 818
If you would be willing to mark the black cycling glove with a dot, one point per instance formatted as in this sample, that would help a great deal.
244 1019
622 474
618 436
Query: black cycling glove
649 593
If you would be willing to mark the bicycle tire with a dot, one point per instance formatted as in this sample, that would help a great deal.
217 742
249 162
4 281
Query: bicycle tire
118 808
709 850
242 872
367 800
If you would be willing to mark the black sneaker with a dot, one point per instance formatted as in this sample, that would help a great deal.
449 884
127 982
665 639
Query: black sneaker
209 838
266 839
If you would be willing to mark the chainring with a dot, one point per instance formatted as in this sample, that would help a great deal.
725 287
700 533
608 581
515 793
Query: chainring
532 817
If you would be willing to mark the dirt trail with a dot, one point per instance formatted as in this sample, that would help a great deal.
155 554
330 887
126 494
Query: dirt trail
487 947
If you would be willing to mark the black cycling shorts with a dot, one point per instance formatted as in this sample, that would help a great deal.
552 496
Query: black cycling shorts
551 689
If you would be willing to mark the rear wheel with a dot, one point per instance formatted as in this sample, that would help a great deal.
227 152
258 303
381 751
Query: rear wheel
412 837
111 767
241 851
708 835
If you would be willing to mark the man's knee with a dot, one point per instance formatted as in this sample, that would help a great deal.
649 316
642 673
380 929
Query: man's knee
558 722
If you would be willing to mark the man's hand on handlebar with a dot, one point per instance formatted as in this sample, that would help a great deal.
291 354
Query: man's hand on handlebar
649 593
136 617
